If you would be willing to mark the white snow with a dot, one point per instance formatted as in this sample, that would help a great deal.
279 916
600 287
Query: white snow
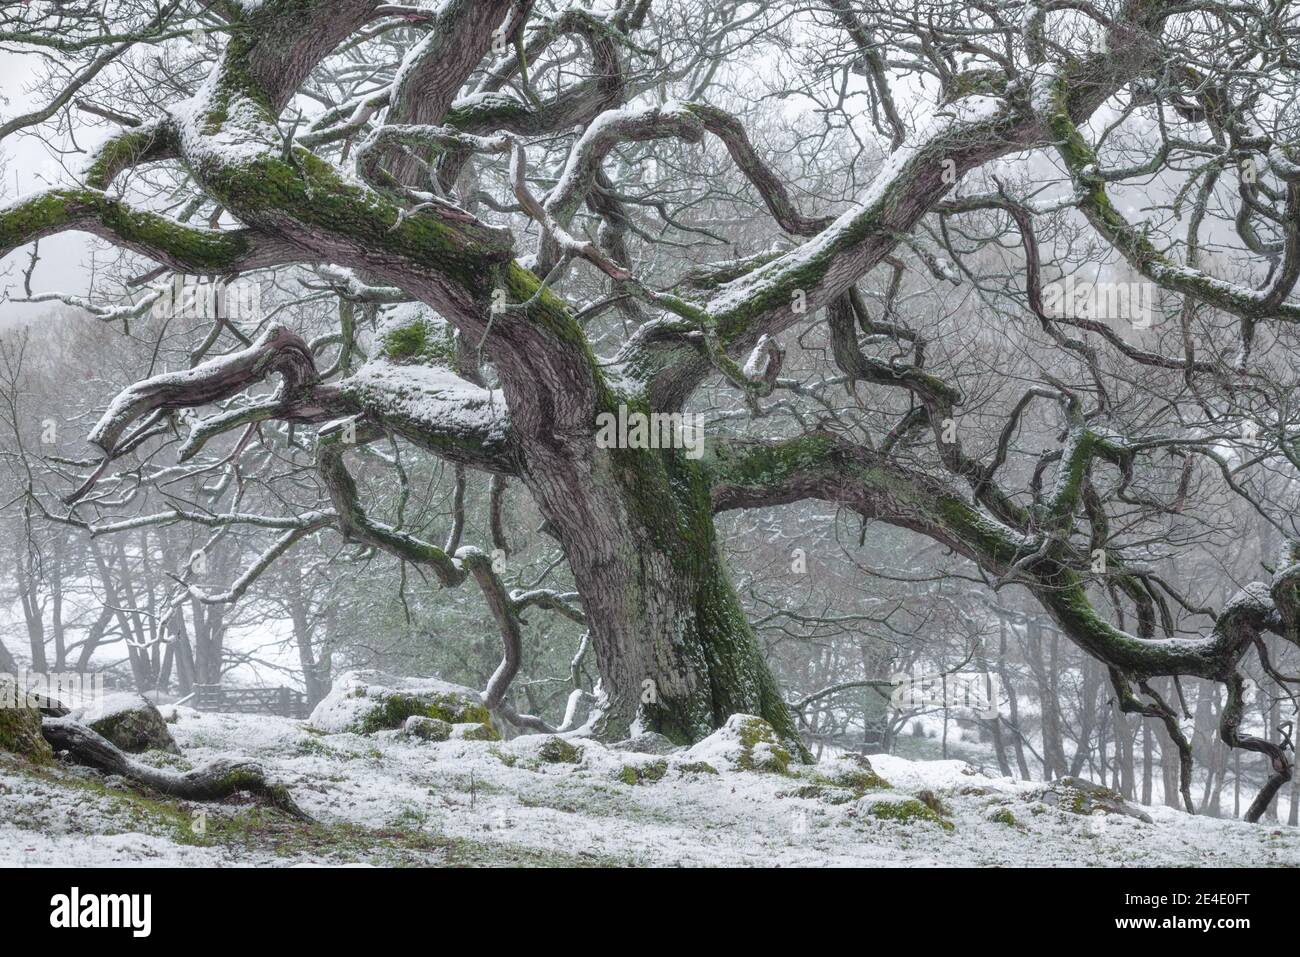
355 694
499 801
430 395
759 360
110 706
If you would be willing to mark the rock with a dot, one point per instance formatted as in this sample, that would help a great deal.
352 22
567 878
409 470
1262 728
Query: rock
826 793
426 729
534 750
20 726
858 760
902 811
651 742
364 702
746 743
931 800
1083 797
131 722
474 731
854 771
645 772
556 750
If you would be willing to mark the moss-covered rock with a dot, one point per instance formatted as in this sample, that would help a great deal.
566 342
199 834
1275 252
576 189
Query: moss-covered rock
854 771
556 750
1003 816
647 772
860 781
905 811
747 743
132 723
840 780
474 731
426 728
20 726
364 702
931 800
1079 796
826 793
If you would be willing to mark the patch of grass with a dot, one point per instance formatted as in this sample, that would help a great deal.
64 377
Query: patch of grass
1003 816
128 808
270 832
464 853
311 747
908 811
697 767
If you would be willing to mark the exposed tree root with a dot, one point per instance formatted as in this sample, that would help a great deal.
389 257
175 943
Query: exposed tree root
212 782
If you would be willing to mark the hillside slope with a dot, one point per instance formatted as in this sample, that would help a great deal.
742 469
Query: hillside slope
388 799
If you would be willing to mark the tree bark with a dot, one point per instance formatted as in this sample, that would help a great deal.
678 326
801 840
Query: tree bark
212 782
675 651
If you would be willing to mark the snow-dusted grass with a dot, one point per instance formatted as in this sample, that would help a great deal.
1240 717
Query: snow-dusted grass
386 799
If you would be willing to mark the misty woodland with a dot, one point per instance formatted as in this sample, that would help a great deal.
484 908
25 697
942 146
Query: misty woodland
641 432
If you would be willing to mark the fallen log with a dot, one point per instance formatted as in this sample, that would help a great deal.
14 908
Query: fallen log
212 782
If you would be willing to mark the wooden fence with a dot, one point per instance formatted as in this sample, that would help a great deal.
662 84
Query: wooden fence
281 701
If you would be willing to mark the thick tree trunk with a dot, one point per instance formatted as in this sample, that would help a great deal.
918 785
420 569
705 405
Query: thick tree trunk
674 649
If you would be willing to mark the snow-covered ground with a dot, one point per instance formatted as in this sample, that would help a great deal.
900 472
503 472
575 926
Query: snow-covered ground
387 799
